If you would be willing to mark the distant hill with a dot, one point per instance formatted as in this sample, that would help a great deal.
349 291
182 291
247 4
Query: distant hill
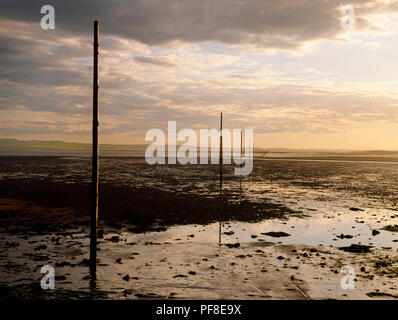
333 151
14 144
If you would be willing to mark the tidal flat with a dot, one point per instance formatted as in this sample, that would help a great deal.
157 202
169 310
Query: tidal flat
287 230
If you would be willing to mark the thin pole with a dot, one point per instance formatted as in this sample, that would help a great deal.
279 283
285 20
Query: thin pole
221 154
95 162
241 150
221 161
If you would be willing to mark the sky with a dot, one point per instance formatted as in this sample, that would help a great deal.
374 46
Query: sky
287 69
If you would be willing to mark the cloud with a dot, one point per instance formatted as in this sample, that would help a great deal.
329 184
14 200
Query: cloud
184 60
154 61
279 24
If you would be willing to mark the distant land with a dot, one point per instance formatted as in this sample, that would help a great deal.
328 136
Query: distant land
33 145
14 144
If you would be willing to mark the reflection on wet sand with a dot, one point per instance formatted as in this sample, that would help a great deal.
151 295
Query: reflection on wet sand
280 237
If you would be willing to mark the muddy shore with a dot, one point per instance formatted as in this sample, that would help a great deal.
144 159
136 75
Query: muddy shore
282 236
138 264
131 267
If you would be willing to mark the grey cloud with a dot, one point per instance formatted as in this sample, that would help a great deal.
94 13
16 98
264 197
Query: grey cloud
30 72
154 61
11 46
47 77
29 61
268 24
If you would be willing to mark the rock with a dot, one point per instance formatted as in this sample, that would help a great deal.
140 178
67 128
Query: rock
41 247
380 294
114 239
356 209
278 234
127 292
229 233
253 236
280 258
382 263
356 248
192 273
126 277
345 236
391 228
180 276
119 260
233 245
85 262
375 232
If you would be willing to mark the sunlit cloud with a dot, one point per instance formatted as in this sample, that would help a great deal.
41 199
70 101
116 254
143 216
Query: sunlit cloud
286 69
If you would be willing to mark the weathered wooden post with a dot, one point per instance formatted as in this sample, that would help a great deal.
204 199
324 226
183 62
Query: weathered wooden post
221 197
95 162
221 155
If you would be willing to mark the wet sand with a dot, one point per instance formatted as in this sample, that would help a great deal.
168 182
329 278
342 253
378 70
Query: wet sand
131 267
183 262
162 223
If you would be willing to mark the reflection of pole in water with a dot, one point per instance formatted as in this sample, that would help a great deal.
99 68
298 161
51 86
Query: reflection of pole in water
251 154
221 197
241 164
95 163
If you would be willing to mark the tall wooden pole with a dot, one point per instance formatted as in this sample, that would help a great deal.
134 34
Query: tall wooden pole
241 164
95 162
221 161
221 154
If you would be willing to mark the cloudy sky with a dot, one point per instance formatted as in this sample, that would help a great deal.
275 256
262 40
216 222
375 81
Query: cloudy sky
285 68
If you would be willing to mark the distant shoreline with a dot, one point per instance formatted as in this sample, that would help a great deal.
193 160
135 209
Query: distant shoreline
61 146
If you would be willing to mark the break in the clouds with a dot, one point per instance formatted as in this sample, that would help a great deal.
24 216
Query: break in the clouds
285 68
